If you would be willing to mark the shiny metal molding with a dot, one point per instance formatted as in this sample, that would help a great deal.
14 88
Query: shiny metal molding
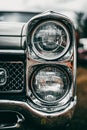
11 29
10 42
11 35
12 51
42 16
24 107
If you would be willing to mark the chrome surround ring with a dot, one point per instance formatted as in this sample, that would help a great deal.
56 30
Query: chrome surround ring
49 54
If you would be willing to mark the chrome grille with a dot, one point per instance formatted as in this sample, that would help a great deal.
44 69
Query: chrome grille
15 77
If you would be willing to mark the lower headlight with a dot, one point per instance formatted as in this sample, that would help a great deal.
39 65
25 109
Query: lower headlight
50 84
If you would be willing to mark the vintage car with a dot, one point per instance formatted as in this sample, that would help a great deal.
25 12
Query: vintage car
37 71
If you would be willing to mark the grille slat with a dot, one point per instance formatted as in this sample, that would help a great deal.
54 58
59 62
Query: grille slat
15 77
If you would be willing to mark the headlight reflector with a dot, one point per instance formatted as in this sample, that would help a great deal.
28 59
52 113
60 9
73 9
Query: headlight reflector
50 84
50 40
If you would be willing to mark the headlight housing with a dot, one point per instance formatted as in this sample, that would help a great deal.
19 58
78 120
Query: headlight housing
51 62
50 40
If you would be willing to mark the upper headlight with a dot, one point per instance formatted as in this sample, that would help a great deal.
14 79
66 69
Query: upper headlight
50 40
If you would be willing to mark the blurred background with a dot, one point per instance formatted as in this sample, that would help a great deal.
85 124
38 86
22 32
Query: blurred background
76 10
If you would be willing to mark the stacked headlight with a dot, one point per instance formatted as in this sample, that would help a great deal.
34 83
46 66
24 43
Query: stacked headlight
50 83
50 40
51 62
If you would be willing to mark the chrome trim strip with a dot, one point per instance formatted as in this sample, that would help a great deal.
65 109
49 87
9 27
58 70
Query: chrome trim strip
19 106
8 42
4 51
11 28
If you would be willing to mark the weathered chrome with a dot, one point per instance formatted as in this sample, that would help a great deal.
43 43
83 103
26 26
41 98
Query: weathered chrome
17 38
29 112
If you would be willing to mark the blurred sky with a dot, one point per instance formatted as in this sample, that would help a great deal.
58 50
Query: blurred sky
43 5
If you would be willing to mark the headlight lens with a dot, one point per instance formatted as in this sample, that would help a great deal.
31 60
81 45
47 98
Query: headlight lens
50 84
50 40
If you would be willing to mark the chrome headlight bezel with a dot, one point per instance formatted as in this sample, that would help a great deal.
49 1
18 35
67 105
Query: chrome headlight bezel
66 72
53 54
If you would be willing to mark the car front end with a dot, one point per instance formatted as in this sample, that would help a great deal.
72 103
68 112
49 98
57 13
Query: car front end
37 71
